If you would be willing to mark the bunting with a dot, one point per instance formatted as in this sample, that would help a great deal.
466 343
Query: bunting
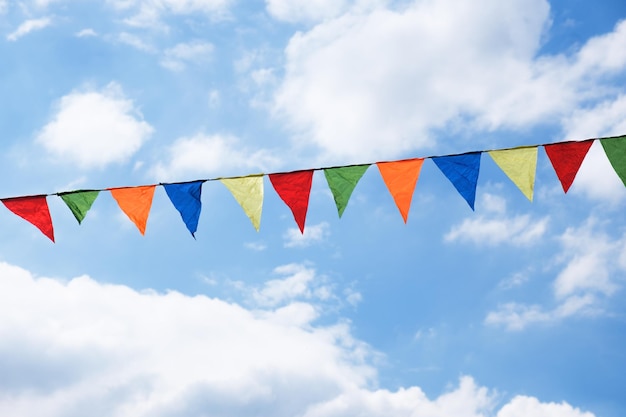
615 149
79 202
294 188
401 178
248 191
186 199
135 202
342 181
33 209
520 165
462 171
566 159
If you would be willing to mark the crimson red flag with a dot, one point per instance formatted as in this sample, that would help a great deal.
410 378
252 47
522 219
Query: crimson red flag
566 159
33 209
294 189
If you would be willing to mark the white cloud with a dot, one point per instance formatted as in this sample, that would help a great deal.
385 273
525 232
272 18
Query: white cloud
28 27
298 284
256 246
95 128
592 261
313 234
518 231
211 154
594 265
84 348
305 10
356 86
4 6
85 33
522 406
517 316
179 56
148 13
136 42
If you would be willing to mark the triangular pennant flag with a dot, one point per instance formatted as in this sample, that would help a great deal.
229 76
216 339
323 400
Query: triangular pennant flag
186 199
248 191
33 209
566 159
135 202
342 181
615 149
294 189
400 178
462 171
520 165
79 202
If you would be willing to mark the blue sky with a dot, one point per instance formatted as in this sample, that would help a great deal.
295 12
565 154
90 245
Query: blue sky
514 309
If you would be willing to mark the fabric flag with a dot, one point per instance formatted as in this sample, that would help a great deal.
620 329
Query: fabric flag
79 202
401 178
462 171
566 159
33 209
615 149
342 182
135 202
294 189
186 199
520 165
248 191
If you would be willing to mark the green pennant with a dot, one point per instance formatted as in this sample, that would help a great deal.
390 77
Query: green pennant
79 202
615 150
342 181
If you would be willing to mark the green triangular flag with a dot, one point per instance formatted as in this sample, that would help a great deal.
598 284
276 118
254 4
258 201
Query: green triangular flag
615 150
79 202
342 181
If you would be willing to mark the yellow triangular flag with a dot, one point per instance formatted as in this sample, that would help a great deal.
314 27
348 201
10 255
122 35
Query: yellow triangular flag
520 165
248 191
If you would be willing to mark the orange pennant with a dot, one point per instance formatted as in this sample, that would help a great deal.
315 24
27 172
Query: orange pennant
135 202
401 177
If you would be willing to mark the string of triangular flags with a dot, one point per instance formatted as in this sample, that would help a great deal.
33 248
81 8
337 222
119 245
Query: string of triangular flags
294 187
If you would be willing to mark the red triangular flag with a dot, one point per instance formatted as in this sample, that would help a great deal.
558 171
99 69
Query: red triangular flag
33 209
294 189
566 159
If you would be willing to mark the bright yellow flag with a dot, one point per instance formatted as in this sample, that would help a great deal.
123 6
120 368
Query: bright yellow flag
248 191
520 165
135 202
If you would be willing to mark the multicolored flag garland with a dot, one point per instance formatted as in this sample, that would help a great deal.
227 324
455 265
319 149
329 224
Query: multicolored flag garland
294 188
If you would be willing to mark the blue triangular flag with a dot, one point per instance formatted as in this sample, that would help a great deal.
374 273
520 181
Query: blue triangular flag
186 198
462 171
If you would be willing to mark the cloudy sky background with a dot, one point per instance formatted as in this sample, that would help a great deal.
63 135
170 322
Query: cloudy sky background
513 310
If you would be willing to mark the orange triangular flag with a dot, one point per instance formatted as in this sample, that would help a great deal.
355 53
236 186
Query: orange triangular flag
401 177
135 202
